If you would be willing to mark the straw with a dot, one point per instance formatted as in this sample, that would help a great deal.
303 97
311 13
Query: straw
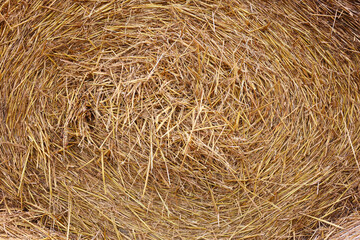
178 119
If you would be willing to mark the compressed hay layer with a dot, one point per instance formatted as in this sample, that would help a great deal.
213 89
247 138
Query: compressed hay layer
350 229
180 119
18 225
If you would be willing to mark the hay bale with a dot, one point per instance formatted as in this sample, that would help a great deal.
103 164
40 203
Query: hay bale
180 119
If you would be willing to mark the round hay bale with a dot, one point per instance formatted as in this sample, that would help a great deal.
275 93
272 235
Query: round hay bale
173 119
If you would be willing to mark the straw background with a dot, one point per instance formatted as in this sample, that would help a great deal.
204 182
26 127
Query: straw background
191 119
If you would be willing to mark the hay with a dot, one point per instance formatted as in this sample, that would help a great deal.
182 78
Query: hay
180 119
17 225
350 229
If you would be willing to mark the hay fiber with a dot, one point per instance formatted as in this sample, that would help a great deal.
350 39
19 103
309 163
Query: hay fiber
196 119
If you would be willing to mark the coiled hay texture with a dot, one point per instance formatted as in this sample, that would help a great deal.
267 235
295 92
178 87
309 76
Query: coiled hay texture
194 119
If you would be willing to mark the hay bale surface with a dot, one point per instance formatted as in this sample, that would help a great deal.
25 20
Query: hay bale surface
18 225
350 229
180 119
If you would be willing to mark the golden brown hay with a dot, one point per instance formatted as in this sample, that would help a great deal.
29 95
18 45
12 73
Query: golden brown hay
350 229
197 119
